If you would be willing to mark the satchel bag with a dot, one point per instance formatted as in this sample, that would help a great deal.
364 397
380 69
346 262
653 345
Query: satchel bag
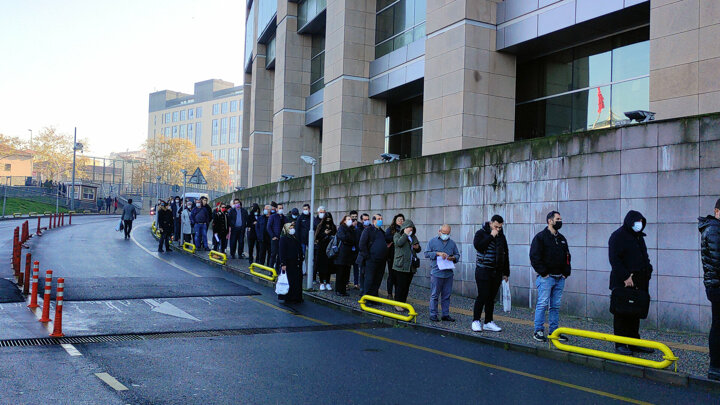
630 302
333 247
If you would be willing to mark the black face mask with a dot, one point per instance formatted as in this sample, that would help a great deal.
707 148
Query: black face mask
558 225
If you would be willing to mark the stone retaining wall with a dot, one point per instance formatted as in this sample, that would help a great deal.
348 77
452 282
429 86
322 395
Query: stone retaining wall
668 170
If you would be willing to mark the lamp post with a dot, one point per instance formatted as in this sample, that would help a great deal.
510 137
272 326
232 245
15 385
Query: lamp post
76 147
7 180
311 234
157 186
184 173
30 137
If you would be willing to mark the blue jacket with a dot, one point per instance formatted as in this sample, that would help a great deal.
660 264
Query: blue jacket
260 227
199 216
275 224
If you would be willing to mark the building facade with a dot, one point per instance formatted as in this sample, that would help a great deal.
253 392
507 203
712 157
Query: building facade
348 80
211 118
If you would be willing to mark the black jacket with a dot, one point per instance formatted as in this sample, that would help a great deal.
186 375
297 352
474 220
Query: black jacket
492 260
628 254
290 252
347 254
220 223
233 217
389 240
710 250
550 254
372 245
303 228
165 221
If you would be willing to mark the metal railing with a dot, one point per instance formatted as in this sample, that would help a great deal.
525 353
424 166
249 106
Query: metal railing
411 316
270 277
217 257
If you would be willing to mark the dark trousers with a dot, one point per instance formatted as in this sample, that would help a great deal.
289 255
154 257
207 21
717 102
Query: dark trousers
176 233
402 285
164 239
487 291
356 274
237 241
187 237
128 227
626 326
220 245
252 240
341 278
713 295
374 272
262 252
274 250
391 278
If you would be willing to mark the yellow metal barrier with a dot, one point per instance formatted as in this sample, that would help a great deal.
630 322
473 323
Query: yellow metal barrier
86 212
189 247
69 212
47 213
32 214
271 277
668 357
217 257
411 316
17 214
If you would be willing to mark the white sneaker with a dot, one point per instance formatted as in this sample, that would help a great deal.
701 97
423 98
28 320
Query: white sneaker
476 326
328 287
492 327
322 287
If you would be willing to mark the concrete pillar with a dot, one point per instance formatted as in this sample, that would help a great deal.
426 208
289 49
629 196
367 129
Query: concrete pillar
353 124
243 153
469 88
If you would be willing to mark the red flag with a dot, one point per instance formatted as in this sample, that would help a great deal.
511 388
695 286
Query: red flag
601 101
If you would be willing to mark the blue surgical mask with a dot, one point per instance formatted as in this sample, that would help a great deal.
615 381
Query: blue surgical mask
379 222
265 212
366 223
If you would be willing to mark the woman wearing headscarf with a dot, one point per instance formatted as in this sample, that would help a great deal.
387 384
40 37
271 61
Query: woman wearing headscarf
325 231
291 257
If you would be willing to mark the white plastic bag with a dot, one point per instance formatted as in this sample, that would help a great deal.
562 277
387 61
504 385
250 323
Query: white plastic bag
506 299
282 286
304 268
119 227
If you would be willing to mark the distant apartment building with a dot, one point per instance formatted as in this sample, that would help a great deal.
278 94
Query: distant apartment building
346 81
211 118
16 167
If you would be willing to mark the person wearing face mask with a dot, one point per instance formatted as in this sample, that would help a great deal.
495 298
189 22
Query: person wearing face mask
221 227
165 226
372 255
185 222
238 220
709 228
631 268
274 228
176 209
347 254
389 239
302 226
441 281
290 261
200 219
550 258
315 223
358 272
492 265
263 239
323 234
252 233
406 262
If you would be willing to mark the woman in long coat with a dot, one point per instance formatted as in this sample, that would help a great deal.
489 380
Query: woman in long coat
291 258
325 231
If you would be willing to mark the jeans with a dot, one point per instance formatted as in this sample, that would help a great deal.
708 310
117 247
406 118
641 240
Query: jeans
251 242
237 241
550 291
713 295
440 288
201 236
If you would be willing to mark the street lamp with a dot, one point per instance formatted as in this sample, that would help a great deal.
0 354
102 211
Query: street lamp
184 173
7 180
311 234
77 146
157 184
30 137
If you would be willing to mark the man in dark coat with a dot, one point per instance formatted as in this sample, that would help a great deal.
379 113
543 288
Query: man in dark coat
346 256
709 228
238 221
372 255
630 268
302 225
263 239
274 229
176 208
165 226
492 266
221 227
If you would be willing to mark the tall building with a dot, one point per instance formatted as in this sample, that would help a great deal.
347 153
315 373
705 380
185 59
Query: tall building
348 80
211 118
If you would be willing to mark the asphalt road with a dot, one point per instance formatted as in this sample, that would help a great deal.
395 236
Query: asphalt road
260 351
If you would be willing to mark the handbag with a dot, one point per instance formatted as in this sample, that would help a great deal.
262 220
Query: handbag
120 226
415 262
282 286
630 302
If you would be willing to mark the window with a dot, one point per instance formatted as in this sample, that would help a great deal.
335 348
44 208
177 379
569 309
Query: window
232 155
175 131
215 154
167 118
8 167
190 113
183 131
223 131
198 134
166 131
403 128
233 129
175 116
233 105
309 9
198 112
223 154
398 23
225 108
583 88
88 193
190 135
270 53
249 34
155 120
266 12
183 115
216 109
214 137
317 63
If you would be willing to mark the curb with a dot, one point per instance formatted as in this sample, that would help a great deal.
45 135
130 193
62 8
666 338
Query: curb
663 376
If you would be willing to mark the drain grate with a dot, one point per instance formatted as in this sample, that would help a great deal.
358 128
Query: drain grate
192 334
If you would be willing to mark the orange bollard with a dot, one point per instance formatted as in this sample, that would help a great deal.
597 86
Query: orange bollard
39 232
50 223
46 298
24 276
70 218
57 325
62 219
34 291
26 281
55 221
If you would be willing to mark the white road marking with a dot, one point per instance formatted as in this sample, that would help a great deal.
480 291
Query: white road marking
71 349
111 381
157 256
169 309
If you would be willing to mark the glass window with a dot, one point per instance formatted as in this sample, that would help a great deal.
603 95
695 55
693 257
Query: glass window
167 118
216 109
403 128
249 33
240 104
270 53
317 63
183 131
198 112
190 113
175 131
308 10
198 134
398 23
214 137
223 131
232 154
190 134
233 129
266 12
233 106
224 108
215 154
183 115
629 96
175 116
223 154
167 132
631 61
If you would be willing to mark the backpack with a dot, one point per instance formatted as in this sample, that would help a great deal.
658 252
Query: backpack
333 247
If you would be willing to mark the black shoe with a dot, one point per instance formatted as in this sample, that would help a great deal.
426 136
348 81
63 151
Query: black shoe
640 349
161 251
562 338
714 373
434 318
539 335
232 256
448 318
624 350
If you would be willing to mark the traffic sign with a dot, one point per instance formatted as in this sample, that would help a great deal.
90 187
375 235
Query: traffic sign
197 177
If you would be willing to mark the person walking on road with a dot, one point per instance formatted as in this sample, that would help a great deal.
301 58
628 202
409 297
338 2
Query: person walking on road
128 216
631 268
347 254
221 227
238 220
290 260
165 225
200 219
108 203
406 261
185 223
441 280
389 239
323 235
100 204
373 250
709 228
550 258
492 265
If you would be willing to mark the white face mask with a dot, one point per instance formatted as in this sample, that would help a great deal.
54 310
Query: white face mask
444 236
348 222
637 226
280 211
321 215
198 205
291 231
305 212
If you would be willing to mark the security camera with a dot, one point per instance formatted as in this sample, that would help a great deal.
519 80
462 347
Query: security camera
640 115
285 177
390 157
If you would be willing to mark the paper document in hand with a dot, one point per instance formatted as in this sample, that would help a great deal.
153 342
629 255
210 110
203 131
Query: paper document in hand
445 264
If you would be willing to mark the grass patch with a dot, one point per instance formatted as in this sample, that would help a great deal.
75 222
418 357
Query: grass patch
24 206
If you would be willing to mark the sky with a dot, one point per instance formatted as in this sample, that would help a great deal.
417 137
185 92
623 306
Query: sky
92 64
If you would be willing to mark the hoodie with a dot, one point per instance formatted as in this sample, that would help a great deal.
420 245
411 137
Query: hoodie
628 254
709 228
404 251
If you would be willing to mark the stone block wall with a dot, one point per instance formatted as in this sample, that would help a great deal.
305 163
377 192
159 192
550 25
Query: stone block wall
668 170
